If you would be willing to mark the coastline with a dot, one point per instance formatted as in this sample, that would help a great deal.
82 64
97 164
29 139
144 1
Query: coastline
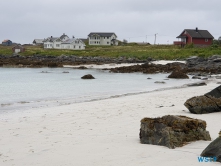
103 132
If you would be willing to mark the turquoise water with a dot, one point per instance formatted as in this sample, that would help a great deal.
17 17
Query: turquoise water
24 88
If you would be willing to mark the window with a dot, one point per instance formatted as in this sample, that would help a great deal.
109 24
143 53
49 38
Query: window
104 37
107 42
74 46
57 45
79 46
107 37
206 40
45 45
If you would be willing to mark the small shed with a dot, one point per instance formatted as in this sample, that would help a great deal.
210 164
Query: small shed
18 48
7 42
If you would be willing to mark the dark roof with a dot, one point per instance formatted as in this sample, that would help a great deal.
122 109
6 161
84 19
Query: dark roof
63 36
196 33
102 34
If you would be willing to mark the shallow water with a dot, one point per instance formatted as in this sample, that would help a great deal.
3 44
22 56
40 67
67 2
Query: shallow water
24 88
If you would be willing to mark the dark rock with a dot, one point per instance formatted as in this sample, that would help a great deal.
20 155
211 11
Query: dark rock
217 60
208 103
196 77
178 74
82 67
172 131
88 76
205 78
52 64
213 149
197 84
65 72
218 77
159 82
149 78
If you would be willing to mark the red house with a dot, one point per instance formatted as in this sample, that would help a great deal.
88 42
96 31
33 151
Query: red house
195 36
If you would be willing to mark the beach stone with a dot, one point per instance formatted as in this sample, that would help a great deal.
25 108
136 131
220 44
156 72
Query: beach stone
178 74
82 67
207 103
159 82
196 77
88 76
213 149
172 131
197 84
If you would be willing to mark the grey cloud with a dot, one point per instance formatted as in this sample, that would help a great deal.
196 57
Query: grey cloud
134 20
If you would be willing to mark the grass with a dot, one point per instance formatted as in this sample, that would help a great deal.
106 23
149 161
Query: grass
166 52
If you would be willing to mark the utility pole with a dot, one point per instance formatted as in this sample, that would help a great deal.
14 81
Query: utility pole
155 38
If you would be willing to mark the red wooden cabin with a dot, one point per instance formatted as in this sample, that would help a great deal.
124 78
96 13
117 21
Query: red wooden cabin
195 36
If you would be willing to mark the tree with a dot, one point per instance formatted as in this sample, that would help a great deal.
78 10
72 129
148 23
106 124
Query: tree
125 41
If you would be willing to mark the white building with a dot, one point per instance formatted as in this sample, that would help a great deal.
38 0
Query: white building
63 42
73 44
102 38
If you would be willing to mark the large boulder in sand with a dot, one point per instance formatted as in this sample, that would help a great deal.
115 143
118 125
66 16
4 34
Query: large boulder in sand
213 149
208 103
172 131
88 76
178 74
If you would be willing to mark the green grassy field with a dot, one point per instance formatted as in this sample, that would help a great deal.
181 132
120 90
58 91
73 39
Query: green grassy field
166 52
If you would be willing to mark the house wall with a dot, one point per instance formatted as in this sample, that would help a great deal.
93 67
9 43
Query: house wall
57 45
74 46
48 45
8 43
199 41
101 40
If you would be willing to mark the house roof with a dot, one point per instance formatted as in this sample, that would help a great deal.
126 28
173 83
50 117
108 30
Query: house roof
50 39
18 46
38 40
6 40
102 34
63 36
196 33
69 41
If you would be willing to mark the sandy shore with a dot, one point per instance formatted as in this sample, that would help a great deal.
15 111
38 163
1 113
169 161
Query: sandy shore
113 65
99 133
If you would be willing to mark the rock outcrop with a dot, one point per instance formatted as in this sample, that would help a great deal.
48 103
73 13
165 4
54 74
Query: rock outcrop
88 76
208 103
178 75
172 131
213 149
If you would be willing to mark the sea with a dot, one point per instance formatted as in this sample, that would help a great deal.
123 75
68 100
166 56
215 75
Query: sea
30 88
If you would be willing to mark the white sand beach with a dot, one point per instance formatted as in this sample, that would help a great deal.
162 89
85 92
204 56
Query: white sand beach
100 133
113 65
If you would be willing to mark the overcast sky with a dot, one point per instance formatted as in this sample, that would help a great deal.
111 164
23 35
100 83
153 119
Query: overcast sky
23 21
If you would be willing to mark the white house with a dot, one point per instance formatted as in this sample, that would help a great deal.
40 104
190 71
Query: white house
73 44
63 42
102 38
52 42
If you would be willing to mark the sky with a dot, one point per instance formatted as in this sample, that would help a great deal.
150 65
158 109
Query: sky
22 21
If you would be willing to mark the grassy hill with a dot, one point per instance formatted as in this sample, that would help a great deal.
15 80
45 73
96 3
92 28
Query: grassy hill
166 52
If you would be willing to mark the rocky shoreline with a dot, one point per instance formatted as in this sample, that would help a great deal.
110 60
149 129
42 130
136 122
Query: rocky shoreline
59 61
194 65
